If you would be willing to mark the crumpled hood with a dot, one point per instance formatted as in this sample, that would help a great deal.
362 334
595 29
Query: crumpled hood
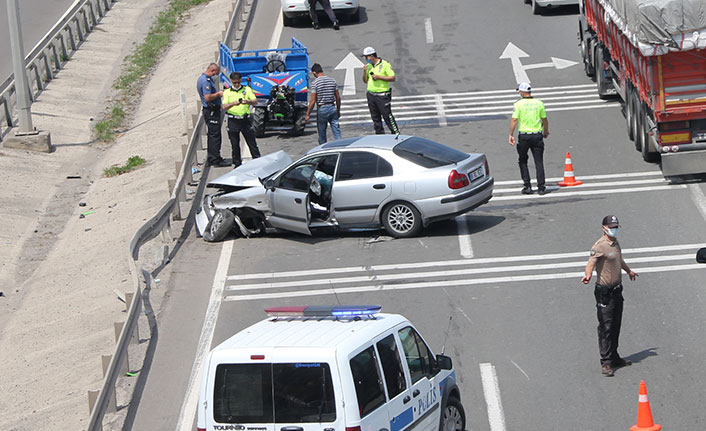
249 173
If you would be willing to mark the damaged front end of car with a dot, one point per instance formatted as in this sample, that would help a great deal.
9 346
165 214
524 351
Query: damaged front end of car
240 205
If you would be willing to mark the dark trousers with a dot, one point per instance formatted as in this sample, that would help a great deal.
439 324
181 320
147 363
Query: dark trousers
535 143
609 307
380 107
235 127
326 4
213 118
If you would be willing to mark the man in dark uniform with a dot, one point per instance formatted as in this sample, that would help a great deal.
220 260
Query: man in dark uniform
607 259
211 107
326 5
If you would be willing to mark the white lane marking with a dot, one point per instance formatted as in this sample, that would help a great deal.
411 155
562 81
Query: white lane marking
276 33
586 193
447 283
518 367
379 278
491 390
699 199
593 185
440 110
428 31
460 262
591 177
464 237
188 407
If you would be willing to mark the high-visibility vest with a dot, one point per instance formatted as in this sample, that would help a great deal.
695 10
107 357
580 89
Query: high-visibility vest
230 95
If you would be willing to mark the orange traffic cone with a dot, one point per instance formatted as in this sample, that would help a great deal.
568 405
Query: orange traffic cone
569 179
644 414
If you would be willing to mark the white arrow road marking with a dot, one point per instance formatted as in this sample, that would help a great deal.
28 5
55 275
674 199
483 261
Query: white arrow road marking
428 30
349 63
514 54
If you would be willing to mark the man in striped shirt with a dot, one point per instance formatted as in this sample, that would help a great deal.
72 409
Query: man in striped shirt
324 93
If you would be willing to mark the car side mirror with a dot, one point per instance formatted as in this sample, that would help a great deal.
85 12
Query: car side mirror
701 255
270 184
443 362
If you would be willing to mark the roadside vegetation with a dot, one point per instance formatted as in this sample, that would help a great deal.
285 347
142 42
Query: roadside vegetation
132 163
137 65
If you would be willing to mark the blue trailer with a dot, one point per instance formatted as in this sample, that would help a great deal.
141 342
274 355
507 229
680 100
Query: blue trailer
280 80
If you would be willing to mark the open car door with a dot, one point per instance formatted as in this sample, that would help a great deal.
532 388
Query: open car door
289 197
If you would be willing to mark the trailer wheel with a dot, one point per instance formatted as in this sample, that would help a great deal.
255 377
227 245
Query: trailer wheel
299 122
602 82
629 113
258 121
647 155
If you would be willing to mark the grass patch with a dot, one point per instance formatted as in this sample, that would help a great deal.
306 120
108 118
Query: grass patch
131 164
140 63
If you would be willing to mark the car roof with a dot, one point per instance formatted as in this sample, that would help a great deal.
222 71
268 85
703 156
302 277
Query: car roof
312 332
385 142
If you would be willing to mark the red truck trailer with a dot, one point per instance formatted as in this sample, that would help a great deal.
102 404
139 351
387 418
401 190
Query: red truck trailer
651 54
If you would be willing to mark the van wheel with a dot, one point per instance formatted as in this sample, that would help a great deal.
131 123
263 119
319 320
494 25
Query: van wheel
453 418
219 227
401 220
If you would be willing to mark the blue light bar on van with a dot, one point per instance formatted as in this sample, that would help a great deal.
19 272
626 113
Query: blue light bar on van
324 311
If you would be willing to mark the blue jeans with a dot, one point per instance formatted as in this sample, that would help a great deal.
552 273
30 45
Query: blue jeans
325 115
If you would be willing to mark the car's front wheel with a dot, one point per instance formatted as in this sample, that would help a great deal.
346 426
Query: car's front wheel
453 418
401 220
219 227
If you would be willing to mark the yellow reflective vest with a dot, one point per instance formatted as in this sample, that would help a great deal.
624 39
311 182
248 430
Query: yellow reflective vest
230 95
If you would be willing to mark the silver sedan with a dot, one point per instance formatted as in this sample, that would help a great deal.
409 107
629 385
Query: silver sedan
400 183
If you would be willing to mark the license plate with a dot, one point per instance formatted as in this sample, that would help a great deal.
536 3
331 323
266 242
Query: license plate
700 136
477 173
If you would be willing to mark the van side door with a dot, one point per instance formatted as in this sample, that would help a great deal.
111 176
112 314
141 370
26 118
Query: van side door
399 405
420 362
369 390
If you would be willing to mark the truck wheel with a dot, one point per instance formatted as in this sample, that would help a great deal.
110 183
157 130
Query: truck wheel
634 98
586 54
401 220
299 122
602 82
219 227
258 121
647 154
629 113
453 418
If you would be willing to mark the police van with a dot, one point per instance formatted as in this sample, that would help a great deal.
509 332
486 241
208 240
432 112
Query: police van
342 368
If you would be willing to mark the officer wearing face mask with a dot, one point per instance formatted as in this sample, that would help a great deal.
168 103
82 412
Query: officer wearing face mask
607 259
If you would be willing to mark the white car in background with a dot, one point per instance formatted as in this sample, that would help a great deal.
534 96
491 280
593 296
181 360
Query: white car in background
344 9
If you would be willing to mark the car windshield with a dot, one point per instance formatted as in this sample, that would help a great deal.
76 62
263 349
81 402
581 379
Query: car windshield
279 393
428 154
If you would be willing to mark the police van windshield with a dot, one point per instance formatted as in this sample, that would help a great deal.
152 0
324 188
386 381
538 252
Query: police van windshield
273 393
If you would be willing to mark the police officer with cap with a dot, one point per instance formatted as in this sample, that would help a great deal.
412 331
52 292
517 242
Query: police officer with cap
236 102
378 74
529 113
607 259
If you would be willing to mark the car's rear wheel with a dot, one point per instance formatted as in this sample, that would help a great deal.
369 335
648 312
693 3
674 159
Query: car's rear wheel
355 16
401 220
536 9
286 21
221 224
453 418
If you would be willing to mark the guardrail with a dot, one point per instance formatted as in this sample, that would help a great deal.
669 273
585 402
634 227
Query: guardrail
100 403
51 53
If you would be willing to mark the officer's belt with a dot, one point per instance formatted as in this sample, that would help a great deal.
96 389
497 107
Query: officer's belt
605 286
238 117
384 93
531 133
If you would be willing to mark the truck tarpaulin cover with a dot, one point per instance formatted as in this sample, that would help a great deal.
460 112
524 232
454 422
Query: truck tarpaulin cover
659 26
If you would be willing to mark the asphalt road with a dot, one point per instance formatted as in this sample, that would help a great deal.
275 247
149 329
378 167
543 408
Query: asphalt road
508 273
37 18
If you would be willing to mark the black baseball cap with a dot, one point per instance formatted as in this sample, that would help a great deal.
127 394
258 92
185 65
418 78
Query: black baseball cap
610 221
